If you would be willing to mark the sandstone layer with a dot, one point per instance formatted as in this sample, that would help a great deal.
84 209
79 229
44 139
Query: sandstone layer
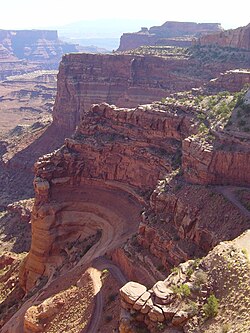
24 51
232 80
118 153
33 45
166 34
236 38
179 303
125 80
114 147
206 164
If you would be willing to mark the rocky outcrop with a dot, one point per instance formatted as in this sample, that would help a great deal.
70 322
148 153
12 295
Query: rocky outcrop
166 33
97 176
105 160
172 28
237 38
233 80
24 51
207 164
34 45
124 80
181 300
176 227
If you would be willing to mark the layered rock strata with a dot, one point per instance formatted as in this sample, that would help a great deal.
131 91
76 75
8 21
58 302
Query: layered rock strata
124 80
176 226
232 80
211 164
119 154
179 303
166 33
94 183
237 38
33 45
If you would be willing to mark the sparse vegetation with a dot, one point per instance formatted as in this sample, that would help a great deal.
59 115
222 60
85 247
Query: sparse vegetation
192 308
211 308
182 290
200 278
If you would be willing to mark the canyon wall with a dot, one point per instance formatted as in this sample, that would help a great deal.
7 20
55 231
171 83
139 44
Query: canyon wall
237 38
227 164
116 156
121 155
24 51
34 45
124 80
175 29
166 33
232 81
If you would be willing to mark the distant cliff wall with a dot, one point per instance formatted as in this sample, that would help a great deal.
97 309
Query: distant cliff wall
237 38
124 80
166 34
34 45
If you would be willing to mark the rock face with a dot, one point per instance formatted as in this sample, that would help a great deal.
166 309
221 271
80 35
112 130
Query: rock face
93 178
237 38
117 154
34 45
176 226
41 48
211 165
166 34
123 80
233 80
180 300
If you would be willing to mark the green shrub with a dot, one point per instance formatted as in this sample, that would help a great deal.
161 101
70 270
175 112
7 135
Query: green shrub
182 290
175 270
200 278
192 308
211 307
189 271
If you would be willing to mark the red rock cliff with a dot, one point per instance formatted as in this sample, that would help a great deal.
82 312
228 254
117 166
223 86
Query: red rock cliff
165 34
116 155
33 45
124 80
237 38
227 164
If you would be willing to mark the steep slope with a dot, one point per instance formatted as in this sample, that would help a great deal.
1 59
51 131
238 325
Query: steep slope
34 45
116 188
237 38
127 80
114 148
199 296
169 33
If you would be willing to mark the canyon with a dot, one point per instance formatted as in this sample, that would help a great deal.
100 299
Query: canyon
127 80
136 190
24 51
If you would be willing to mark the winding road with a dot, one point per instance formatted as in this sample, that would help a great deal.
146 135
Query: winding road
102 263
229 193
